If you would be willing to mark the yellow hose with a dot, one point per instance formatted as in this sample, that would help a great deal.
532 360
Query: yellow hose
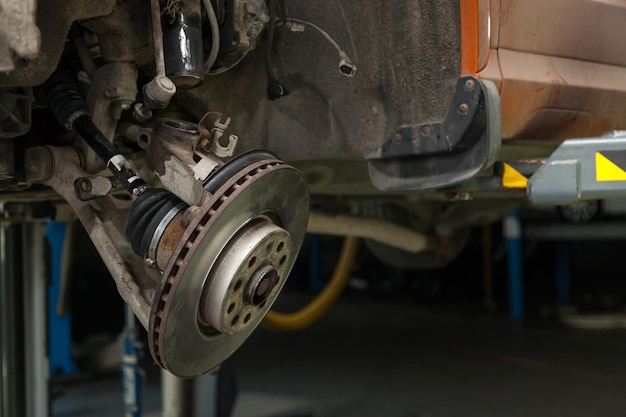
322 303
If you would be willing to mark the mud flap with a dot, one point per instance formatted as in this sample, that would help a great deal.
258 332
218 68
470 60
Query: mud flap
435 155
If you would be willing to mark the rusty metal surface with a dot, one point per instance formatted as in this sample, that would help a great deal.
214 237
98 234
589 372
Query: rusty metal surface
175 339
199 226
170 239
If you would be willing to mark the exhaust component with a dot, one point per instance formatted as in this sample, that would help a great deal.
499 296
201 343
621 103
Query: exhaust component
380 230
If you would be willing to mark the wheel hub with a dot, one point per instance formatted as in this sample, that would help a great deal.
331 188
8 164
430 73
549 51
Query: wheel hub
245 277
229 266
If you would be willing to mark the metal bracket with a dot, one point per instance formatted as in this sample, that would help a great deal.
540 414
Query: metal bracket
213 122
582 169
95 186
435 155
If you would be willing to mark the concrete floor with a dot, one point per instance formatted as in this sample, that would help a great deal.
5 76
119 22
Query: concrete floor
391 358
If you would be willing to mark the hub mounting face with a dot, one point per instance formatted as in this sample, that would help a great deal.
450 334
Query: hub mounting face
228 268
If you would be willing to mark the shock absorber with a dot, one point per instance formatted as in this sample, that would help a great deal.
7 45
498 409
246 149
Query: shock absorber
182 42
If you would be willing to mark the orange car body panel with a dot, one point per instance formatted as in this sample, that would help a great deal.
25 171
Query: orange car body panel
560 65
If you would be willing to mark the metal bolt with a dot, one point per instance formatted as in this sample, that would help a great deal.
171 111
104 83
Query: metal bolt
425 130
470 84
85 185
111 93
143 138
151 263
142 113
260 285
463 108
397 137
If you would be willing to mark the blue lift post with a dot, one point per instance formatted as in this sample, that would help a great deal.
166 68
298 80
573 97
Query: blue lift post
131 370
59 326
513 235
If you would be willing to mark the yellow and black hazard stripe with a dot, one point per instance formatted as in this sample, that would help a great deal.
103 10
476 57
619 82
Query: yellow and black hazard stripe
610 166
514 175
512 178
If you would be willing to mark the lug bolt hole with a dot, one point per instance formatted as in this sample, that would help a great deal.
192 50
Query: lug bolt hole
252 262
237 285
143 140
280 246
282 260
231 308
247 318
235 320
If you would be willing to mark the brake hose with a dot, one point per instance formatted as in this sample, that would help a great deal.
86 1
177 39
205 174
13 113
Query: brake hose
324 301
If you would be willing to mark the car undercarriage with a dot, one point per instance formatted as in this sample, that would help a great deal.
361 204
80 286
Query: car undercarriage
199 141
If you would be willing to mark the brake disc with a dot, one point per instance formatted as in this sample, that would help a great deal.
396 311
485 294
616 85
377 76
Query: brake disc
228 268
